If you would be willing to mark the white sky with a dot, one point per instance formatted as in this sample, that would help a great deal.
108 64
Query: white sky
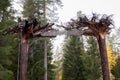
71 7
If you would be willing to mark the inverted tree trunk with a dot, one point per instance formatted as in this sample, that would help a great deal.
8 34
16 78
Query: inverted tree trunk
103 55
23 57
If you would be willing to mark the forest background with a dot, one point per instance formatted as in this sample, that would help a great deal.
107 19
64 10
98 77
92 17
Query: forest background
76 54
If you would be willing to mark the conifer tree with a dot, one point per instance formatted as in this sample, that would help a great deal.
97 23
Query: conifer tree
8 43
92 60
116 69
73 68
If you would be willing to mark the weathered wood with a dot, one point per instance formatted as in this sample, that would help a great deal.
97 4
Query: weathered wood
45 60
104 58
54 33
23 57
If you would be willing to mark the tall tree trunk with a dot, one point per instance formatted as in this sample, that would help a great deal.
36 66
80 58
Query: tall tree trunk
44 10
23 57
45 60
19 52
104 59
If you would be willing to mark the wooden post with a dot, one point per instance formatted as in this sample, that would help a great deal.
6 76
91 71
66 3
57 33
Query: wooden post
44 10
104 58
23 57
45 60
19 52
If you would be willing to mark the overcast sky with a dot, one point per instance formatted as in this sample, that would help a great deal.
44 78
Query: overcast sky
109 7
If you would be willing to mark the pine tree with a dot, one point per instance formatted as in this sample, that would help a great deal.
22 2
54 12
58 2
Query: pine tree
41 9
116 69
92 60
73 68
8 43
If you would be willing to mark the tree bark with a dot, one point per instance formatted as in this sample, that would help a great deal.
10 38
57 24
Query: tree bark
19 52
23 57
45 60
103 55
44 10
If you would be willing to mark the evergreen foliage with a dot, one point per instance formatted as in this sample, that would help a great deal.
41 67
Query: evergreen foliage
36 61
92 60
116 69
8 43
37 9
73 68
